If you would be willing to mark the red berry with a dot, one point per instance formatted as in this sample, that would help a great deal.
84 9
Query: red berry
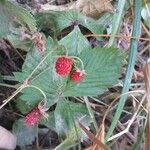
33 117
63 65
78 75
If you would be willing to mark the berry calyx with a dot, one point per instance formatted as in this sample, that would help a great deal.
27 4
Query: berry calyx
78 75
33 117
64 65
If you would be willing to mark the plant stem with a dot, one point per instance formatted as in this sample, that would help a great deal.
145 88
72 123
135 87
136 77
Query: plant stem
13 95
75 126
91 113
117 20
131 63
8 85
37 138
9 78
42 92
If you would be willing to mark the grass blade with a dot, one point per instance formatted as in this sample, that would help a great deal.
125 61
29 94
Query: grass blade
131 63
117 20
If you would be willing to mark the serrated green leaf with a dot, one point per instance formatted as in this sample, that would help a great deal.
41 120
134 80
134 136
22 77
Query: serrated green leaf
75 42
56 21
43 78
20 76
21 14
4 22
106 19
70 141
11 13
102 66
25 134
31 96
18 43
146 14
59 20
23 107
49 121
67 113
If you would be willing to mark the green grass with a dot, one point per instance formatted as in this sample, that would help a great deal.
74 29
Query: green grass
131 64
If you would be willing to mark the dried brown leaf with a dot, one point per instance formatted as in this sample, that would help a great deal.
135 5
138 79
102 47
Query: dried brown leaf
92 137
100 136
38 39
91 8
123 144
48 7
147 84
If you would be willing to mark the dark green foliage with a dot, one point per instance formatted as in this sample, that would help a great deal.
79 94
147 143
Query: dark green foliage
25 134
102 67
11 15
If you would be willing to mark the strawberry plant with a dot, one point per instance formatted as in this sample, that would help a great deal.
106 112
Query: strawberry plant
57 70
63 66
78 75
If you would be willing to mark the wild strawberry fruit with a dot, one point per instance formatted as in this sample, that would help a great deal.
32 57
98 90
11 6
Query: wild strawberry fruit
63 65
33 117
78 75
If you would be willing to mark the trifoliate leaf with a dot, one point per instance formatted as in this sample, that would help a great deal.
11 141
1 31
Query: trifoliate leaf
59 20
102 67
45 76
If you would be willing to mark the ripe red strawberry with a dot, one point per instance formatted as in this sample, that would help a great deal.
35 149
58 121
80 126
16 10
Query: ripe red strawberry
33 117
78 75
63 65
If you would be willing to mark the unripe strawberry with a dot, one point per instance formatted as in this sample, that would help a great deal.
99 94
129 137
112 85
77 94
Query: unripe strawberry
78 75
33 117
63 65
